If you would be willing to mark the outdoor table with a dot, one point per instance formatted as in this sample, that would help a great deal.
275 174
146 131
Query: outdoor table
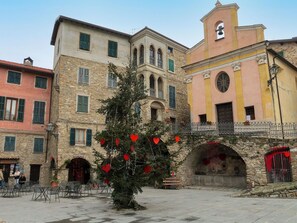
10 192
40 192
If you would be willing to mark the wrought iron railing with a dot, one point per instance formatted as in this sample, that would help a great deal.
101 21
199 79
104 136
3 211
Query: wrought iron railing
257 129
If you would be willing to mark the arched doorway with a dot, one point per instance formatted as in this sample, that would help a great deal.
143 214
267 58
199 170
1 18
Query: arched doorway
215 164
79 170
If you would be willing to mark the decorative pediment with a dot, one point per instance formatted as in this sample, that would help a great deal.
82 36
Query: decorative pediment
261 59
188 80
206 75
236 66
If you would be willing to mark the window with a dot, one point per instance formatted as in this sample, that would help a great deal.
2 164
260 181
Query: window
112 81
12 109
220 30
170 65
154 114
152 55
9 144
14 77
160 88
172 97
80 137
41 82
141 55
84 41
112 48
250 113
141 79
83 76
82 103
203 119
152 86
38 145
39 110
170 49
223 82
160 58
135 57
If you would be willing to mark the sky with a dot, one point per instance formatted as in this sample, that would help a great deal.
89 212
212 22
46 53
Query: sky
27 25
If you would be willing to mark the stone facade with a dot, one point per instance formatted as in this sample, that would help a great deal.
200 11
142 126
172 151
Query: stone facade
66 89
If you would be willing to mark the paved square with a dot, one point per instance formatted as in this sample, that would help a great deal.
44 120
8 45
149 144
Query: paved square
185 205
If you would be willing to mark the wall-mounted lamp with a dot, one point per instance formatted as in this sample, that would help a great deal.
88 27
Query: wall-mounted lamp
50 129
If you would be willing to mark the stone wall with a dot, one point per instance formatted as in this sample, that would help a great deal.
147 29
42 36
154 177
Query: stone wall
289 51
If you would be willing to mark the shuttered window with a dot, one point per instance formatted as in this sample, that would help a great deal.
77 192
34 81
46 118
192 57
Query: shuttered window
14 77
170 65
172 97
2 105
82 103
112 48
39 110
41 82
84 41
80 137
21 110
38 145
12 109
9 144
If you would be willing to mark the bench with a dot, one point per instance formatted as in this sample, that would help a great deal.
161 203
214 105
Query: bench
171 182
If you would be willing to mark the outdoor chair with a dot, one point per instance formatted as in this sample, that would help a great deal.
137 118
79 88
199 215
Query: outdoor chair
54 191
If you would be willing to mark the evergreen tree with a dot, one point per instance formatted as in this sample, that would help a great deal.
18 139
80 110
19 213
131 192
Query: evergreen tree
136 153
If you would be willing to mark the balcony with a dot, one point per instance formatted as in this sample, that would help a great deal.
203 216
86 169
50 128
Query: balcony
253 129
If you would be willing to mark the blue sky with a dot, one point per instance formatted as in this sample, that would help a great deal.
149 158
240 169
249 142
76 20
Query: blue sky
27 24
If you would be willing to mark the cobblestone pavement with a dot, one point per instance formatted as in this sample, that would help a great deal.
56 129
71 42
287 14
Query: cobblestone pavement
184 205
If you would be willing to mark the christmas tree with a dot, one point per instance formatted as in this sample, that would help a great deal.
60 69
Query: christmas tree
136 153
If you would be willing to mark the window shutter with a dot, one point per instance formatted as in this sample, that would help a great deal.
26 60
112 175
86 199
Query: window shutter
171 97
21 110
171 65
85 104
2 104
72 136
89 137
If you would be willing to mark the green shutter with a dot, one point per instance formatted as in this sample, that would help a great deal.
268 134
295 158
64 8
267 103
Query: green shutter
9 143
2 104
21 110
172 97
84 42
72 136
89 137
39 110
171 65
38 145
112 49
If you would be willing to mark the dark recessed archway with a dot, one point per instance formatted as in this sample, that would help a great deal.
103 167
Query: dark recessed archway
79 170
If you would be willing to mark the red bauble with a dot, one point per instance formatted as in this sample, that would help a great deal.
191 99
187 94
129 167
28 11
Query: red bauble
106 181
156 140
102 141
287 154
117 141
147 169
134 137
126 157
106 168
177 138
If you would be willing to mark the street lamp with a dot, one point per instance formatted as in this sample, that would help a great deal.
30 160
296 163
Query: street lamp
274 69
50 127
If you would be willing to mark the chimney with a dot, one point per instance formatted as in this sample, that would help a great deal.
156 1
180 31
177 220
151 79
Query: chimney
28 61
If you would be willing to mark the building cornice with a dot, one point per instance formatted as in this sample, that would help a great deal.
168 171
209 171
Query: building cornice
225 56
255 26
219 7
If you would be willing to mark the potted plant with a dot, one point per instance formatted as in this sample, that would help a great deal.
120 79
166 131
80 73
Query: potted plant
246 122
54 180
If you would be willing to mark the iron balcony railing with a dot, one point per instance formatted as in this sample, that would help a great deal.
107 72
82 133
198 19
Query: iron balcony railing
257 129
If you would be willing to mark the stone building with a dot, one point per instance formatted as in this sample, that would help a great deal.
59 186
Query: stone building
25 99
232 91
81 55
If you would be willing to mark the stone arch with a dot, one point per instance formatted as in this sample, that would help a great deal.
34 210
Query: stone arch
214 164
79 170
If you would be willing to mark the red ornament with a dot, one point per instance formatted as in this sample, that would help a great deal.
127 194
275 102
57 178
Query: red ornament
147 169
132 148
106 181
177 138
156 140
134 137
287 154
117 141
102 141
106 168
126 157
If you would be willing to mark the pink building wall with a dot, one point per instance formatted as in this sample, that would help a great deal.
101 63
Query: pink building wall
26 90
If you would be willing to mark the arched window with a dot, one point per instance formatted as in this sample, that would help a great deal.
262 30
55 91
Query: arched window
152 55
141 55
152 86
160 88
141 79
135 57
220 30
160 58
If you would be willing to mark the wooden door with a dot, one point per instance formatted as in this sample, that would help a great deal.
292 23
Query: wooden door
34 173
225 118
